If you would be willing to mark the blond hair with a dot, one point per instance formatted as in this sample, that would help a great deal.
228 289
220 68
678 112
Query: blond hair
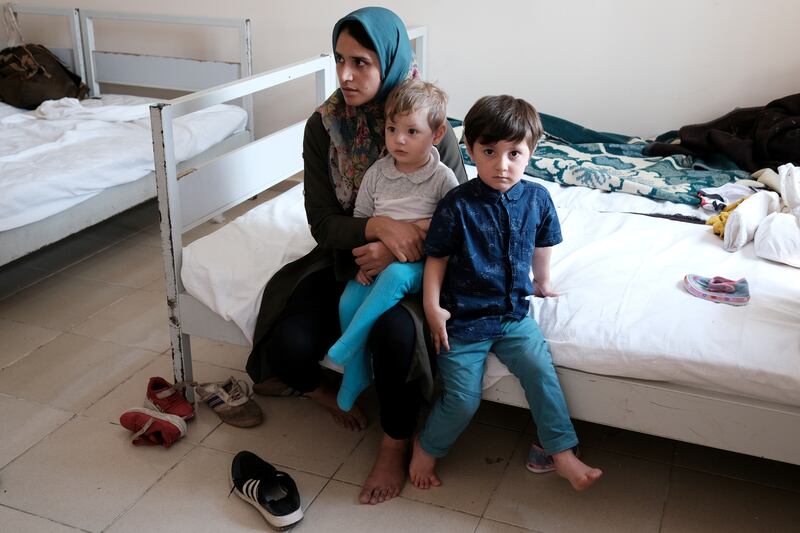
415 94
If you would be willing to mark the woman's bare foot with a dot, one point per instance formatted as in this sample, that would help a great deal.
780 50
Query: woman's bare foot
388 474
421 470
579 474
354 419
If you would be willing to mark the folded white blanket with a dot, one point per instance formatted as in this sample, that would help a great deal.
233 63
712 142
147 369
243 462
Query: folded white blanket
778 239
790 187
778 235
744 220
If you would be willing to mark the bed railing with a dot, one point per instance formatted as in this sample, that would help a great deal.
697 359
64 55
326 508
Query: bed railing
160 72
208 190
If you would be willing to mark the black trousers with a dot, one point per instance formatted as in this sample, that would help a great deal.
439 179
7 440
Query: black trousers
309 325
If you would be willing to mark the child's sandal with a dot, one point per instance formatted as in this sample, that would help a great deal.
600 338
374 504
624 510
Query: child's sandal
539 462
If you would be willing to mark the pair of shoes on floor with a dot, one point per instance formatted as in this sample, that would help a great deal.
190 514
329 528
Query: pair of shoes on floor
272 492
718 289
539 462
162 420
230 399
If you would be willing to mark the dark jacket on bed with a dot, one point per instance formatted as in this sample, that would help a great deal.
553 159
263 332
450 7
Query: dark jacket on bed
337 232
753 137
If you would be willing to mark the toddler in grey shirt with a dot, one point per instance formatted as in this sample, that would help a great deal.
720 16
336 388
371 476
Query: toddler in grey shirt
406 185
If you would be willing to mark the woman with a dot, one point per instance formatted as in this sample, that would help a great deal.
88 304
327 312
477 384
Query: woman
299 319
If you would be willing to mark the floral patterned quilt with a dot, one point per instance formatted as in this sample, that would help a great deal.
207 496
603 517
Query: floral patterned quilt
619 165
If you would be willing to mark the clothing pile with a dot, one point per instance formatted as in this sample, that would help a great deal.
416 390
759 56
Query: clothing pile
772 224
752 137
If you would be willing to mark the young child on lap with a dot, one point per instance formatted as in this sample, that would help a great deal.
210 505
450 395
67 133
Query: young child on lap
404 185
483 238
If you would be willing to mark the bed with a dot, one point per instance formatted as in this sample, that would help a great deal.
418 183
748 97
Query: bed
61 166
632 348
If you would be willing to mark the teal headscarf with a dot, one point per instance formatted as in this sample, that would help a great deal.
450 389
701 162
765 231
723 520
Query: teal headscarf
390 38
357 136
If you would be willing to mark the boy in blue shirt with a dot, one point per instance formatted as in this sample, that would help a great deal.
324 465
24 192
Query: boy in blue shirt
483 238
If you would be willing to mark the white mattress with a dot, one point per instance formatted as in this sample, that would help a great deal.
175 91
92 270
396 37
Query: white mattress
67 151
229 269
622 309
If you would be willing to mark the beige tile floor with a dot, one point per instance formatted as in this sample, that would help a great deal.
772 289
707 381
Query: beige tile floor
83 327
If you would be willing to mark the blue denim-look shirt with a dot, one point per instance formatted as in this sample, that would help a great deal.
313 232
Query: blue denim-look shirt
490 238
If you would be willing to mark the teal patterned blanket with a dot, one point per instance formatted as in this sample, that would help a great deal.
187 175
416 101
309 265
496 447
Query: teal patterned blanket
573 155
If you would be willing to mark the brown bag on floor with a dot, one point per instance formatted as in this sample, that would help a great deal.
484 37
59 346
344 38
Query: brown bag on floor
31 74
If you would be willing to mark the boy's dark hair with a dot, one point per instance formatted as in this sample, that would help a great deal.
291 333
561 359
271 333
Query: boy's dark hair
502 118
357 32
415 94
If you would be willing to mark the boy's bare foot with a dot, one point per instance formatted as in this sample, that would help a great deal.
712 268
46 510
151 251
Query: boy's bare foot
354 419
421 470
579 474
388 474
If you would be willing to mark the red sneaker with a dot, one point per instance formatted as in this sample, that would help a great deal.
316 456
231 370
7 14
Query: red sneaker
168 398
151 427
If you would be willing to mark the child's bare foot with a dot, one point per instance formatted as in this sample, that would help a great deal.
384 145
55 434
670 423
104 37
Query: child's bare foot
354 419
580 475
422 468
388 474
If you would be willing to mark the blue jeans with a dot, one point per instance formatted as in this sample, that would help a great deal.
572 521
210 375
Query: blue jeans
359 307
523 350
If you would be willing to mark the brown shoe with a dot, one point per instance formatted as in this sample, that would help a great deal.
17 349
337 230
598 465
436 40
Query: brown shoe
230 399
275 387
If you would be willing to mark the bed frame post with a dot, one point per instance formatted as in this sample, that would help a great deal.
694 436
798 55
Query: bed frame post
169 212
87 34
326 80
418 35
246 70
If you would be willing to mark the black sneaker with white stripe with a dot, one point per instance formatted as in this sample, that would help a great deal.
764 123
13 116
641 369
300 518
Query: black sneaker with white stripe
271 491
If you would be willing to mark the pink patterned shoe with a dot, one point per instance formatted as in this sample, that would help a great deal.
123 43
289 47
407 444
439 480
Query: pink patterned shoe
718 289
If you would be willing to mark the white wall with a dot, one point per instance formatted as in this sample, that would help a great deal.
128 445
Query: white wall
632 66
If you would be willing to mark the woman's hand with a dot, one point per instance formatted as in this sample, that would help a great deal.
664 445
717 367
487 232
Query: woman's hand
372 258
403 239
437 318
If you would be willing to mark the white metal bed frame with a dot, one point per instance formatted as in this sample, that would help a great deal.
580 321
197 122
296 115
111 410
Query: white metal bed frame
693 415
154 72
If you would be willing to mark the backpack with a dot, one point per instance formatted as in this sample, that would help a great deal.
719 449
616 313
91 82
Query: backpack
31 74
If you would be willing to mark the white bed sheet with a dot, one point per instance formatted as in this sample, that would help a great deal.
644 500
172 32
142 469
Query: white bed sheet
67 151
622 309
8 110
229 269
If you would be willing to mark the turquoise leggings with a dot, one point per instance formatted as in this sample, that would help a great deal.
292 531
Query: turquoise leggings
359 308
523 350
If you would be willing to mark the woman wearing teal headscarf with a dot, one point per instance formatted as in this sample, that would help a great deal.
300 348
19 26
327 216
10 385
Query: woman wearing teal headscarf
299 319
